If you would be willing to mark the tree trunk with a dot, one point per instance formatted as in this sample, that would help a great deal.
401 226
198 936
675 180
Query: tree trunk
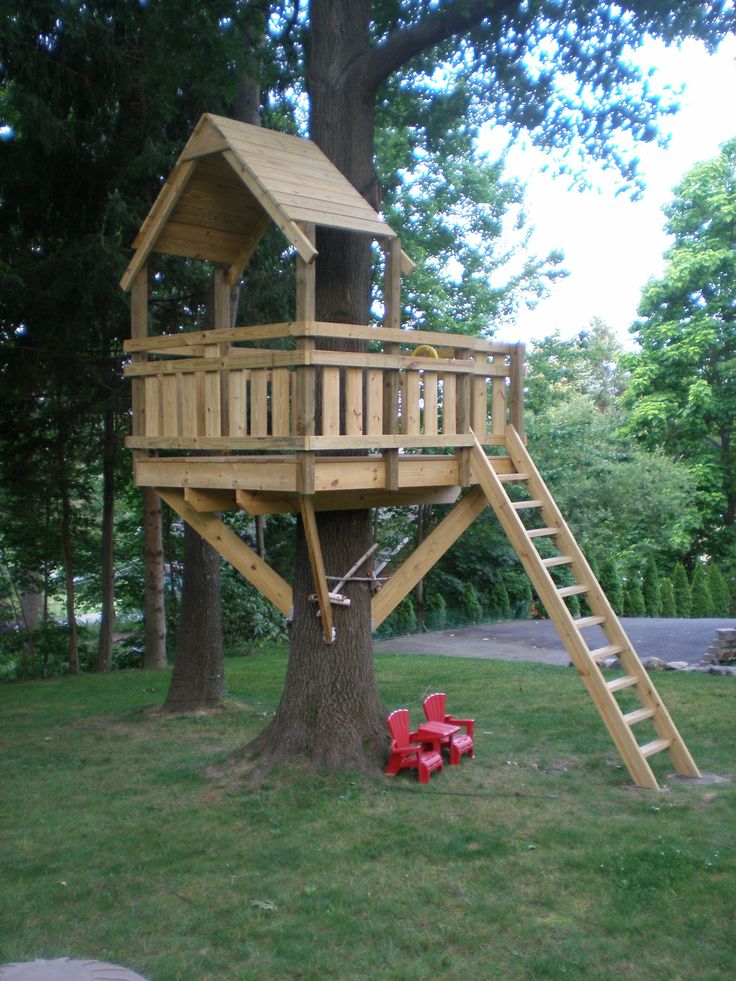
331 712
154 615
67 551
197 679
107 618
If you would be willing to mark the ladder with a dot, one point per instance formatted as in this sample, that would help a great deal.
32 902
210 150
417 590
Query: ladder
620 723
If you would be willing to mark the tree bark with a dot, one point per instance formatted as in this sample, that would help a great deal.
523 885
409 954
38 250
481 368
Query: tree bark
67 550
197 679
154 615
107 571
330 712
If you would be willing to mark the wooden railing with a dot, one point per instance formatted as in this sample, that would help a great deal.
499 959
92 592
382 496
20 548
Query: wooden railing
207 390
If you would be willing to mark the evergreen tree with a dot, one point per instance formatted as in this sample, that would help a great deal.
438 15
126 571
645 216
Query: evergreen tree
702 602
667 596
650 589
499 603
436 612
573 605
610 580
634 599
522 599
681 587
718 591
470 607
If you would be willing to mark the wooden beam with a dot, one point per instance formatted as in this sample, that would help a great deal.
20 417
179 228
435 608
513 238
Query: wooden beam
211 500
290 228
318 567
157 218
250 565
427 555
256 502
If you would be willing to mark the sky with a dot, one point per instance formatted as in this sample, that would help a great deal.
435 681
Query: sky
613 245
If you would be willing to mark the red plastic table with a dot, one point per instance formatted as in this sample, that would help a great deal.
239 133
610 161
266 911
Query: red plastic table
436 730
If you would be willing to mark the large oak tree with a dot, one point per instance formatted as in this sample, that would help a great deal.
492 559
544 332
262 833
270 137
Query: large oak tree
561 70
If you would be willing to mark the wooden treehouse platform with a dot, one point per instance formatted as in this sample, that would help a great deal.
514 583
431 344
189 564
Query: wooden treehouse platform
269 418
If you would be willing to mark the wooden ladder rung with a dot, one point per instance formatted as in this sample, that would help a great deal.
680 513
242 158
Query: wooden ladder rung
510 478
584 622
522 505
542 532
655 746
557 560
639 715
610 650
625 681
573 590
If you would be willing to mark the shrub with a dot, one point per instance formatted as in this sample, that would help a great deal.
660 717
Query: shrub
610 580
402 621
681 587
667 596
718 591
435 612
702 603
499 603
470 607
521 599
634 600
650 589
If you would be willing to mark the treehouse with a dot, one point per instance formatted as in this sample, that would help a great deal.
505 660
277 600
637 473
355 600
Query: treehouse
224 419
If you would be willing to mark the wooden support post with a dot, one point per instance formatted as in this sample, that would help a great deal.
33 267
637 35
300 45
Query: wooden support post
427 555
304 421
516 394
391 319
463 418
223 319
139 331
306 505
231 547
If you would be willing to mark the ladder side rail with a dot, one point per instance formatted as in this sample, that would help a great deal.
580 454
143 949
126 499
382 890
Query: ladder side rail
592 678
600 606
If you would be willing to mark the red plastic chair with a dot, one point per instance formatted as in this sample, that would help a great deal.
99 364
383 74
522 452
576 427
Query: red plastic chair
407 752
459 742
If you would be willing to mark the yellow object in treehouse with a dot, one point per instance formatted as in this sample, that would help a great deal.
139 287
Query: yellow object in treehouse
424 351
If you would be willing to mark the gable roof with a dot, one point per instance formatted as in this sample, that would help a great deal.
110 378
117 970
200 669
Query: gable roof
231 181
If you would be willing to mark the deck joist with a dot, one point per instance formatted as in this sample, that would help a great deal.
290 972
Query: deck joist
273 484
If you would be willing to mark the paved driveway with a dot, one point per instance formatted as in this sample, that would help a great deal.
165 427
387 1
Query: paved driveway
537 640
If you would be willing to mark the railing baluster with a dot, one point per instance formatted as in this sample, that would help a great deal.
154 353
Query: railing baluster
353 402
430 403
374 402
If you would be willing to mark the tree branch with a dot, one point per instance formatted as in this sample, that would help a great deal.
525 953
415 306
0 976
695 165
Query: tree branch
456 17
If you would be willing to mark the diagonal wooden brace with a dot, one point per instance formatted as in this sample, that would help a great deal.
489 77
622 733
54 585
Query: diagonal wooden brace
231 547
306 506
427 555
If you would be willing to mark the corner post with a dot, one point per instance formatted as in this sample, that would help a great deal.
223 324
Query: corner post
516 386
391 319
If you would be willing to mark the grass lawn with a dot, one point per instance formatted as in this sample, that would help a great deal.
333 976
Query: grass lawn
535 860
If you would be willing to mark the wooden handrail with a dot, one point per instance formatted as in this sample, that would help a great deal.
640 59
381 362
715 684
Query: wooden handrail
216 395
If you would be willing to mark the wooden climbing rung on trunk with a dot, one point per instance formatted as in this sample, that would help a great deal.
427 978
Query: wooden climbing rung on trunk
585 659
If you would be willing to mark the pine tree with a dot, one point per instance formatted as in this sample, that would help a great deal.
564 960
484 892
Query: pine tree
718 591
436 612
650 589
702 605
499 603
634 599
681 587
667 595
522 602
470 608
610 580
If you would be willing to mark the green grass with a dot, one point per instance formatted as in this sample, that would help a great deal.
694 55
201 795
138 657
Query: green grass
535 860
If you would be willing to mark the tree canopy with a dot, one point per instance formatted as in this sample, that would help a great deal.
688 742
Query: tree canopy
682 391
